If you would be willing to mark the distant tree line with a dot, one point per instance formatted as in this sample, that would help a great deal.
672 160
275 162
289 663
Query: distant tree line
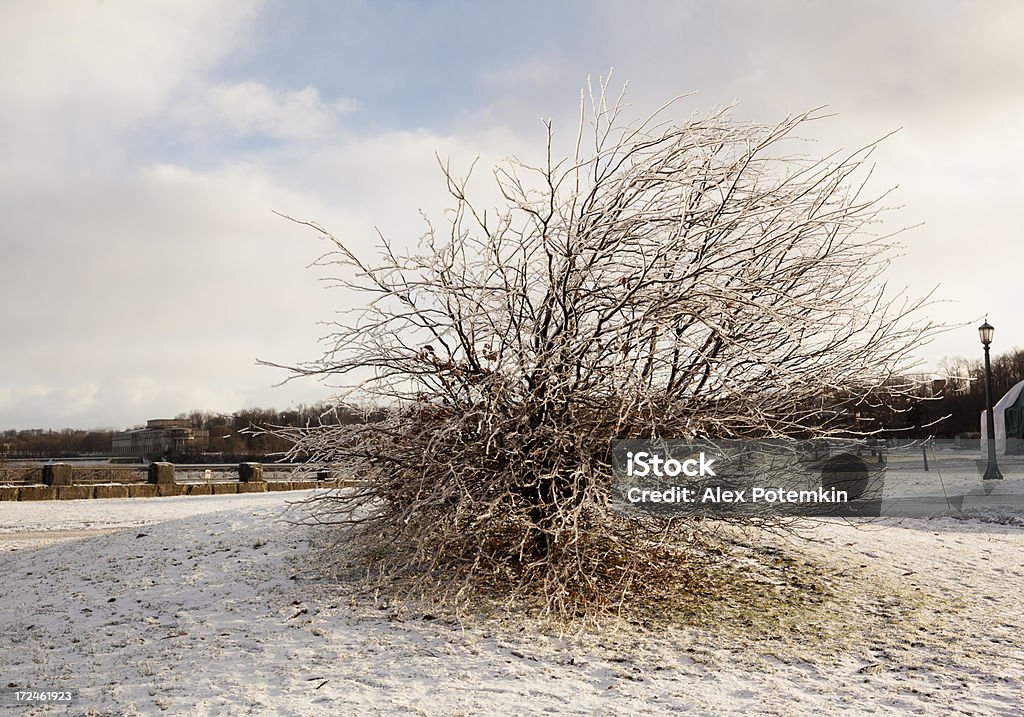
240 435
67 442
952 404
231 436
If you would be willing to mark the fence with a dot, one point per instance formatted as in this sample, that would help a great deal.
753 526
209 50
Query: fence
65 481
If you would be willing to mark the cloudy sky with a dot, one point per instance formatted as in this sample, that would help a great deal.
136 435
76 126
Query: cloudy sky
144 147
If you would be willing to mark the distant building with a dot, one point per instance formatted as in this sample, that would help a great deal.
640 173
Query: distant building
162 438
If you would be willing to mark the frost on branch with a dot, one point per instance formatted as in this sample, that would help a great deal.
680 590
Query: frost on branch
678 280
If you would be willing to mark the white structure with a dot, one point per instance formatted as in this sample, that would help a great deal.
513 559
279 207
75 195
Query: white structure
1009 400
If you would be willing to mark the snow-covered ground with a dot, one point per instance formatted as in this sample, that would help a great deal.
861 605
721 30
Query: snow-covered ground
202 606
35 523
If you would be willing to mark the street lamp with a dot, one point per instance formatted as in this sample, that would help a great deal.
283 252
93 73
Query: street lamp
985 331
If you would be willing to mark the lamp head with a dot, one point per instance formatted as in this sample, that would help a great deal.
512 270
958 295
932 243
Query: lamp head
985 331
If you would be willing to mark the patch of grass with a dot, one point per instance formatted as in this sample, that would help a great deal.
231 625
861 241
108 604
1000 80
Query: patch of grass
730 586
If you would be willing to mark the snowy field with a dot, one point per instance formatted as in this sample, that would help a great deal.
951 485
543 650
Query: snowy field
203 606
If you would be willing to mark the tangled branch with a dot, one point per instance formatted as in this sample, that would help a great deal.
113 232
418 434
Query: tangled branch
673 280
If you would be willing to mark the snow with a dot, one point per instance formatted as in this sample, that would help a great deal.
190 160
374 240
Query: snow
204 606
37 523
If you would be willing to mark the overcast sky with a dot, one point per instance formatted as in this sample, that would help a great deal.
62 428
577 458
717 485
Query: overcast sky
145 145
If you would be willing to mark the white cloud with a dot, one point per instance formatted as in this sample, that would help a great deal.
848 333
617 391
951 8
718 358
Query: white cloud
63 55
67 403
78 74
252 108
161 289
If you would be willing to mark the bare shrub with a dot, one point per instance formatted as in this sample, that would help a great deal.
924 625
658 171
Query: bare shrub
668 279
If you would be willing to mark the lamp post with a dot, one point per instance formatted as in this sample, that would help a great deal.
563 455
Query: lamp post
992 471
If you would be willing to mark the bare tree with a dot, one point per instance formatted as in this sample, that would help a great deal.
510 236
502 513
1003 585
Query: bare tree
679 280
